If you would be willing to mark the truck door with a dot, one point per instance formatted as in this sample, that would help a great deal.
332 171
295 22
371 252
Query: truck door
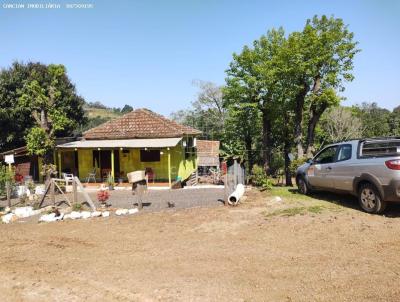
342 173
318 173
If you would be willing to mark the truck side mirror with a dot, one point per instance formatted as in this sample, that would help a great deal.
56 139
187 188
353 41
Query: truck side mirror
309 161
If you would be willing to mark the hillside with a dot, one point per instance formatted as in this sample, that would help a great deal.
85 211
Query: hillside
101 112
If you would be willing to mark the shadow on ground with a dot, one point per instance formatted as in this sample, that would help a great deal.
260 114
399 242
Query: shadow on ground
349 201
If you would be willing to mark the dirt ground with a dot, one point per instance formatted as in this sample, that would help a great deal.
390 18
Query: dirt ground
298 249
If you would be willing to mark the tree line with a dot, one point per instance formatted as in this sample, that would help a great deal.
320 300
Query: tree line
281 99
38 103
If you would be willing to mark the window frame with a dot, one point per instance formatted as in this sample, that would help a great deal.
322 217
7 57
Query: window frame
320 152
150 151
338 151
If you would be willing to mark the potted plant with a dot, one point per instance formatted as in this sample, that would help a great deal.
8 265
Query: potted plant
110 181
102 197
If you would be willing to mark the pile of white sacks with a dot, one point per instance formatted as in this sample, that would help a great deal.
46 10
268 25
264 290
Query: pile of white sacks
23 212
84 215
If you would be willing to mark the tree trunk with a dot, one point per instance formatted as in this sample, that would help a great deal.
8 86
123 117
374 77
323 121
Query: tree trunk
298 133
288 175
266 140
250 160
44 122
315 116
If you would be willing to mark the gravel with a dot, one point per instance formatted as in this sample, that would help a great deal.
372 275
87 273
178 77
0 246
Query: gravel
157 200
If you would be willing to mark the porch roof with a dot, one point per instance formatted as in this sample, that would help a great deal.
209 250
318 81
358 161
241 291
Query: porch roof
123 143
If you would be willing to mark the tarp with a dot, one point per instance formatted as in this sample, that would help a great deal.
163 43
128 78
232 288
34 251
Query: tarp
123 143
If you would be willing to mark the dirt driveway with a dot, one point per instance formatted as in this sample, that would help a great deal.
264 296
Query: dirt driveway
298 249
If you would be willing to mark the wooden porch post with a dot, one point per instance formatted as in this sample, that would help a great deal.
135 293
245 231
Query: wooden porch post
112 164
169 167
59 163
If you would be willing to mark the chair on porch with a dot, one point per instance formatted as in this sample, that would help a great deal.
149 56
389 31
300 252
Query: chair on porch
91 175
68 177
104 174
150 175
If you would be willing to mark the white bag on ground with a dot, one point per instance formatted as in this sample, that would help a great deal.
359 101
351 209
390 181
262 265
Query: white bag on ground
121 212
75 215
50 217
8 218
23 212
133 211
85 214
96 214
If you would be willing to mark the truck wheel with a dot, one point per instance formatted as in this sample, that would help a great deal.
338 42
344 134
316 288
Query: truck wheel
303 186
370 200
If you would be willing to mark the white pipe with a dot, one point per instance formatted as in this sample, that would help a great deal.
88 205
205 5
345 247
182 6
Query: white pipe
236 195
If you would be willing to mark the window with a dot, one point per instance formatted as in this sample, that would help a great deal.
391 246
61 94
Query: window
380 148
326 156
149 155
344 153
190 150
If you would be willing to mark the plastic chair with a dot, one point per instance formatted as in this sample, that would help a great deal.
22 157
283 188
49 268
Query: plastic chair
91 175
150 175
69 177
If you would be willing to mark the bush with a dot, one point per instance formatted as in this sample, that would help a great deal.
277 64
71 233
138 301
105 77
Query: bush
259 178
6 176
294 164
77 207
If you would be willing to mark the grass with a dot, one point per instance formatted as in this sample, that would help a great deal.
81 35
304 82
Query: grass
95 112
298 211
294 203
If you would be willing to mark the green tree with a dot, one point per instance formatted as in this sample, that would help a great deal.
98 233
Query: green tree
126 109
43 100
253 81
375 120
321 57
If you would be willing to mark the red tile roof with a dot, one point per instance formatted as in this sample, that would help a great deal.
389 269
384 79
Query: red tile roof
139 123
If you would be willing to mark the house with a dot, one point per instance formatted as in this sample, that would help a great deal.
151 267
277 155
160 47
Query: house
208 155
138 140
28 165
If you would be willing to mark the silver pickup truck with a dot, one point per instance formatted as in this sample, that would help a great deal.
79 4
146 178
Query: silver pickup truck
368 169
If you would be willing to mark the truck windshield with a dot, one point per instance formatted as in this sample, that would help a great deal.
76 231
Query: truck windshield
379 148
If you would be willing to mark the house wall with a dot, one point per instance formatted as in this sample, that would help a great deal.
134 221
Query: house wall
130 161
85 163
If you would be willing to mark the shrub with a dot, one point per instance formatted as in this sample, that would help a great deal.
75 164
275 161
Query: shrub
259 178
77 207
6 176
294 164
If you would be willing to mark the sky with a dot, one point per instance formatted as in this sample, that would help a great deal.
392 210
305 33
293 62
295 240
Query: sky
148 53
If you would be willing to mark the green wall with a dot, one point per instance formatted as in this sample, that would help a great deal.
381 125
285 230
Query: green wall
131 162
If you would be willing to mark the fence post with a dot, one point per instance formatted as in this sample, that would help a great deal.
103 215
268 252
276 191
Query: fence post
235 173
226 188
8 192
74 191
52 192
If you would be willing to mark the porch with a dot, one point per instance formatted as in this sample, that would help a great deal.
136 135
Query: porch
164 160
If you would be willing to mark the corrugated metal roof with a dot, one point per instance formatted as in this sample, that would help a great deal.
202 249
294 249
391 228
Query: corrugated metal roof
124 143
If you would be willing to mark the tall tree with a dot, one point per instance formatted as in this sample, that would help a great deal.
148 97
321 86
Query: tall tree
252 79
375 120
43 97
207 113
322 60
340 124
